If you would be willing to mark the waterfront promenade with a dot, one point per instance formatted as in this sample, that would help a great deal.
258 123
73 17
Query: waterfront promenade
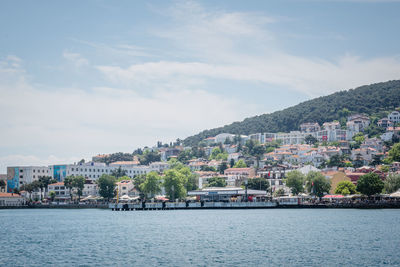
139 206
248 205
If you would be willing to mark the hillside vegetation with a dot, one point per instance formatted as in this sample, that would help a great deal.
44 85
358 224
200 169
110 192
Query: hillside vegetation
368 99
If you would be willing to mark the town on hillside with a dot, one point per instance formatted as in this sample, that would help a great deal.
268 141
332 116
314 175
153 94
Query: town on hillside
335 161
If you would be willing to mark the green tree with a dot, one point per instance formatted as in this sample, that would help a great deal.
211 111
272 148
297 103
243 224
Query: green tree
258 152
310 140
222 167
250 144
366 99
52 195
215 152
385 168
317 184
137 182
185 155
240 164
239 147
392 183
174 183
175 164
106 185
359 138
295 181
394 153
208 168
280 192
152 184
257 184
345 188
190 179
376 160
232 163
78 182
68 184
44 181
124 178
216 182
336 161
118 172
370 184
148 157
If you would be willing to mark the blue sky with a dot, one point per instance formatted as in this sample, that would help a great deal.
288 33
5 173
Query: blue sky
79 78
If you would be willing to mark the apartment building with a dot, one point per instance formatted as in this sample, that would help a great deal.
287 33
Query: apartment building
19 175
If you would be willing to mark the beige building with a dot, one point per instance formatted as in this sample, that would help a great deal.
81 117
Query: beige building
335 178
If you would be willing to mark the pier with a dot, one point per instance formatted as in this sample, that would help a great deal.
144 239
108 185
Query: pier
191 205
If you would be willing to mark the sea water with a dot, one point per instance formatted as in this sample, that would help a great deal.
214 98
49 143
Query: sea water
263 237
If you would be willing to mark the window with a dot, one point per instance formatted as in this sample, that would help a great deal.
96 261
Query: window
33 170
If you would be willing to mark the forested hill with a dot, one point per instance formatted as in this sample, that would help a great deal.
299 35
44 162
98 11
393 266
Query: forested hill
367 99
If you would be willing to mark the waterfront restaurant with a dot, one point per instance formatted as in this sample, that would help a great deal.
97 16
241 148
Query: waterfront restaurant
228 194
11 199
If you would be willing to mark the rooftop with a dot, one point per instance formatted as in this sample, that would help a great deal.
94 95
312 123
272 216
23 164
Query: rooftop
9 195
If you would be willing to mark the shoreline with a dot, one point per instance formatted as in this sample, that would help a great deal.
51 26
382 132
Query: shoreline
159 206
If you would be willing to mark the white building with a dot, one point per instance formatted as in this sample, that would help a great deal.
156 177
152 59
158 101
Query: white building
394 117
310 127
221 138
62 192
11 199
90 188
258 137
159 166
125 187
357 123
387 136
19 175
292 138
94 172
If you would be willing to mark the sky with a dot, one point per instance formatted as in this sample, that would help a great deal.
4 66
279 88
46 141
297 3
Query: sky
79 78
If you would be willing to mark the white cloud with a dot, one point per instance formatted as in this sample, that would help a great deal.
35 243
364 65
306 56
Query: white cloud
168 98
239 47
74 122
313 77
76 59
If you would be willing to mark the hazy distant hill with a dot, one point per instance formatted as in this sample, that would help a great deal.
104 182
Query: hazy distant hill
367 99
